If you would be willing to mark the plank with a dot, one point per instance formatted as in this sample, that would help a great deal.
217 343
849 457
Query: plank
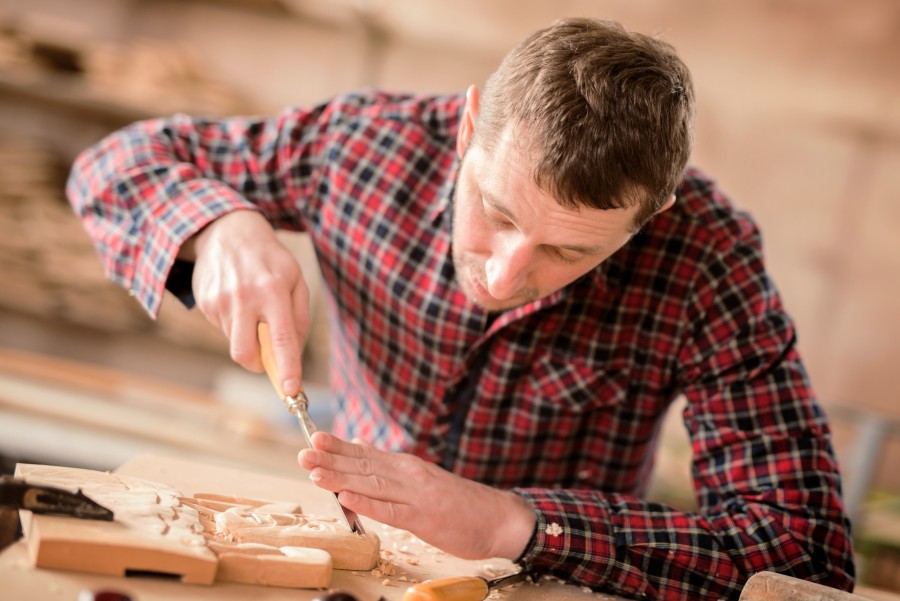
150 533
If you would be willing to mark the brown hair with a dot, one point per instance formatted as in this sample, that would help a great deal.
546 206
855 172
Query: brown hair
607 114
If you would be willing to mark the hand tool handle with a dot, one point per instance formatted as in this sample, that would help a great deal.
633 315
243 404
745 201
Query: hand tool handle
298 405
467 588
267 354
771 586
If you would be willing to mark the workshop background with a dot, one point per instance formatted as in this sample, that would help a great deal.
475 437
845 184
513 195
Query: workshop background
798 119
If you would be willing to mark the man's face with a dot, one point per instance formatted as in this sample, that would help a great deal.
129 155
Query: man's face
512 242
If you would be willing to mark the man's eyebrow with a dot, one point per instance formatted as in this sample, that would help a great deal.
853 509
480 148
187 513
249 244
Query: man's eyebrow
489 199
585 250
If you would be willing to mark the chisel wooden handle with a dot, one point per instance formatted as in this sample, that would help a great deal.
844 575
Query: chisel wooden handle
464 588
468 588
267 354
299 406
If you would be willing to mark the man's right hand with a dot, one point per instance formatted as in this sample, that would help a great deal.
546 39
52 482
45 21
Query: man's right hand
244 275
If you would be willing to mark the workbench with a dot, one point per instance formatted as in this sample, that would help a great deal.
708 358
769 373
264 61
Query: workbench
21 582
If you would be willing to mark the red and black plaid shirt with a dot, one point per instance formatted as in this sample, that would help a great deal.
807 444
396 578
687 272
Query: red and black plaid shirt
560 399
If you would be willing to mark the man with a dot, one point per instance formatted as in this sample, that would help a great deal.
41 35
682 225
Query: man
520 283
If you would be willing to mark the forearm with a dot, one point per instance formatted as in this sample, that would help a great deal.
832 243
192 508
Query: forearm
144 192
632 547
140 201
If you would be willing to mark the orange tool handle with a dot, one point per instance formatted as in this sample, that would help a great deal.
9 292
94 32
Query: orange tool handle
267 354
469 588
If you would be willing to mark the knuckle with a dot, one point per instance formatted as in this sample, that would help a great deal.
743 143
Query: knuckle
241 355
380 484
365 467
282 337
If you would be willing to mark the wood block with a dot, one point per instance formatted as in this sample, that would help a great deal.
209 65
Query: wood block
294 567
770 586
202 539
151 533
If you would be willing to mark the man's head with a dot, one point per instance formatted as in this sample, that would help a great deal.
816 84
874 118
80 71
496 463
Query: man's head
581 137
607 115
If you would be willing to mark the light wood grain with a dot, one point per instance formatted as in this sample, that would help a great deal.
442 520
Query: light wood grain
769 586
212 537
152 531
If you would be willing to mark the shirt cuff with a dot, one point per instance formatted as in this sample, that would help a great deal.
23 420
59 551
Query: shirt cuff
573 538
179 282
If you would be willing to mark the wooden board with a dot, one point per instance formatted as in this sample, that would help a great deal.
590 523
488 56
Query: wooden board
769 586
150 534
196 540
405 558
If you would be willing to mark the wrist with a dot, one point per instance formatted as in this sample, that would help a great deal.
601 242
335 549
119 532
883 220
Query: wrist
193 246
517 529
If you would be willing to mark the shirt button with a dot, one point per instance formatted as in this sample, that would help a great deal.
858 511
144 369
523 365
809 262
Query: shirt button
584 474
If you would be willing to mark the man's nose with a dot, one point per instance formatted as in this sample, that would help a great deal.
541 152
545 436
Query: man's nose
508 267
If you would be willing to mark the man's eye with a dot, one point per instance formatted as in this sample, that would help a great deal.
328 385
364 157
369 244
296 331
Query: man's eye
568 258
495 218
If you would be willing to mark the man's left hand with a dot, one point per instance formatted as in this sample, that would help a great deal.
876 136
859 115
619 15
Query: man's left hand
459 516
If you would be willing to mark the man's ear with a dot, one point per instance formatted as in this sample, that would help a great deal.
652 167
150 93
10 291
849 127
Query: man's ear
666 206
467 123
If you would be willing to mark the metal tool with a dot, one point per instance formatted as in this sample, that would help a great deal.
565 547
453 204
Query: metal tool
465 588
298 406
19 494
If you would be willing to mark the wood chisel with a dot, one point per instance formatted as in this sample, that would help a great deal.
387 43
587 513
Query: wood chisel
299 406
464 588
16 493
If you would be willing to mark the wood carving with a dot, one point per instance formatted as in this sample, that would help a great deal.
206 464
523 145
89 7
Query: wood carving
294 567
152 531
274 526
197 539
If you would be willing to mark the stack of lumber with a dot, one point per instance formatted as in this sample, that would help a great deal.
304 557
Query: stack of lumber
48 266
147 75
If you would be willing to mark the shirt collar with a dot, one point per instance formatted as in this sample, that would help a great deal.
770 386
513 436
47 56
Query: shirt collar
444 201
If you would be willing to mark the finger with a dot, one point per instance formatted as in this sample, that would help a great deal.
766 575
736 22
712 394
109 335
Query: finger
334 454
211 310
311 459
329 443
301 317
392 513
355 471
376 487
282 339
244 346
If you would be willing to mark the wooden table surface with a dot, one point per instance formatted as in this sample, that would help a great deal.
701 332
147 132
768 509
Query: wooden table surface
407 558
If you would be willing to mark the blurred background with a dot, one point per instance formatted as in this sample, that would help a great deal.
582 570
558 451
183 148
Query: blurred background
798 119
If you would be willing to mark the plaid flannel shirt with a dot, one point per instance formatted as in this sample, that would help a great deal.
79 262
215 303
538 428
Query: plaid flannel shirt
559 400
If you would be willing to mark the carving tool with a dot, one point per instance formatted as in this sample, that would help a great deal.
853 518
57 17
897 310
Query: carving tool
299 406
464 588
16 493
